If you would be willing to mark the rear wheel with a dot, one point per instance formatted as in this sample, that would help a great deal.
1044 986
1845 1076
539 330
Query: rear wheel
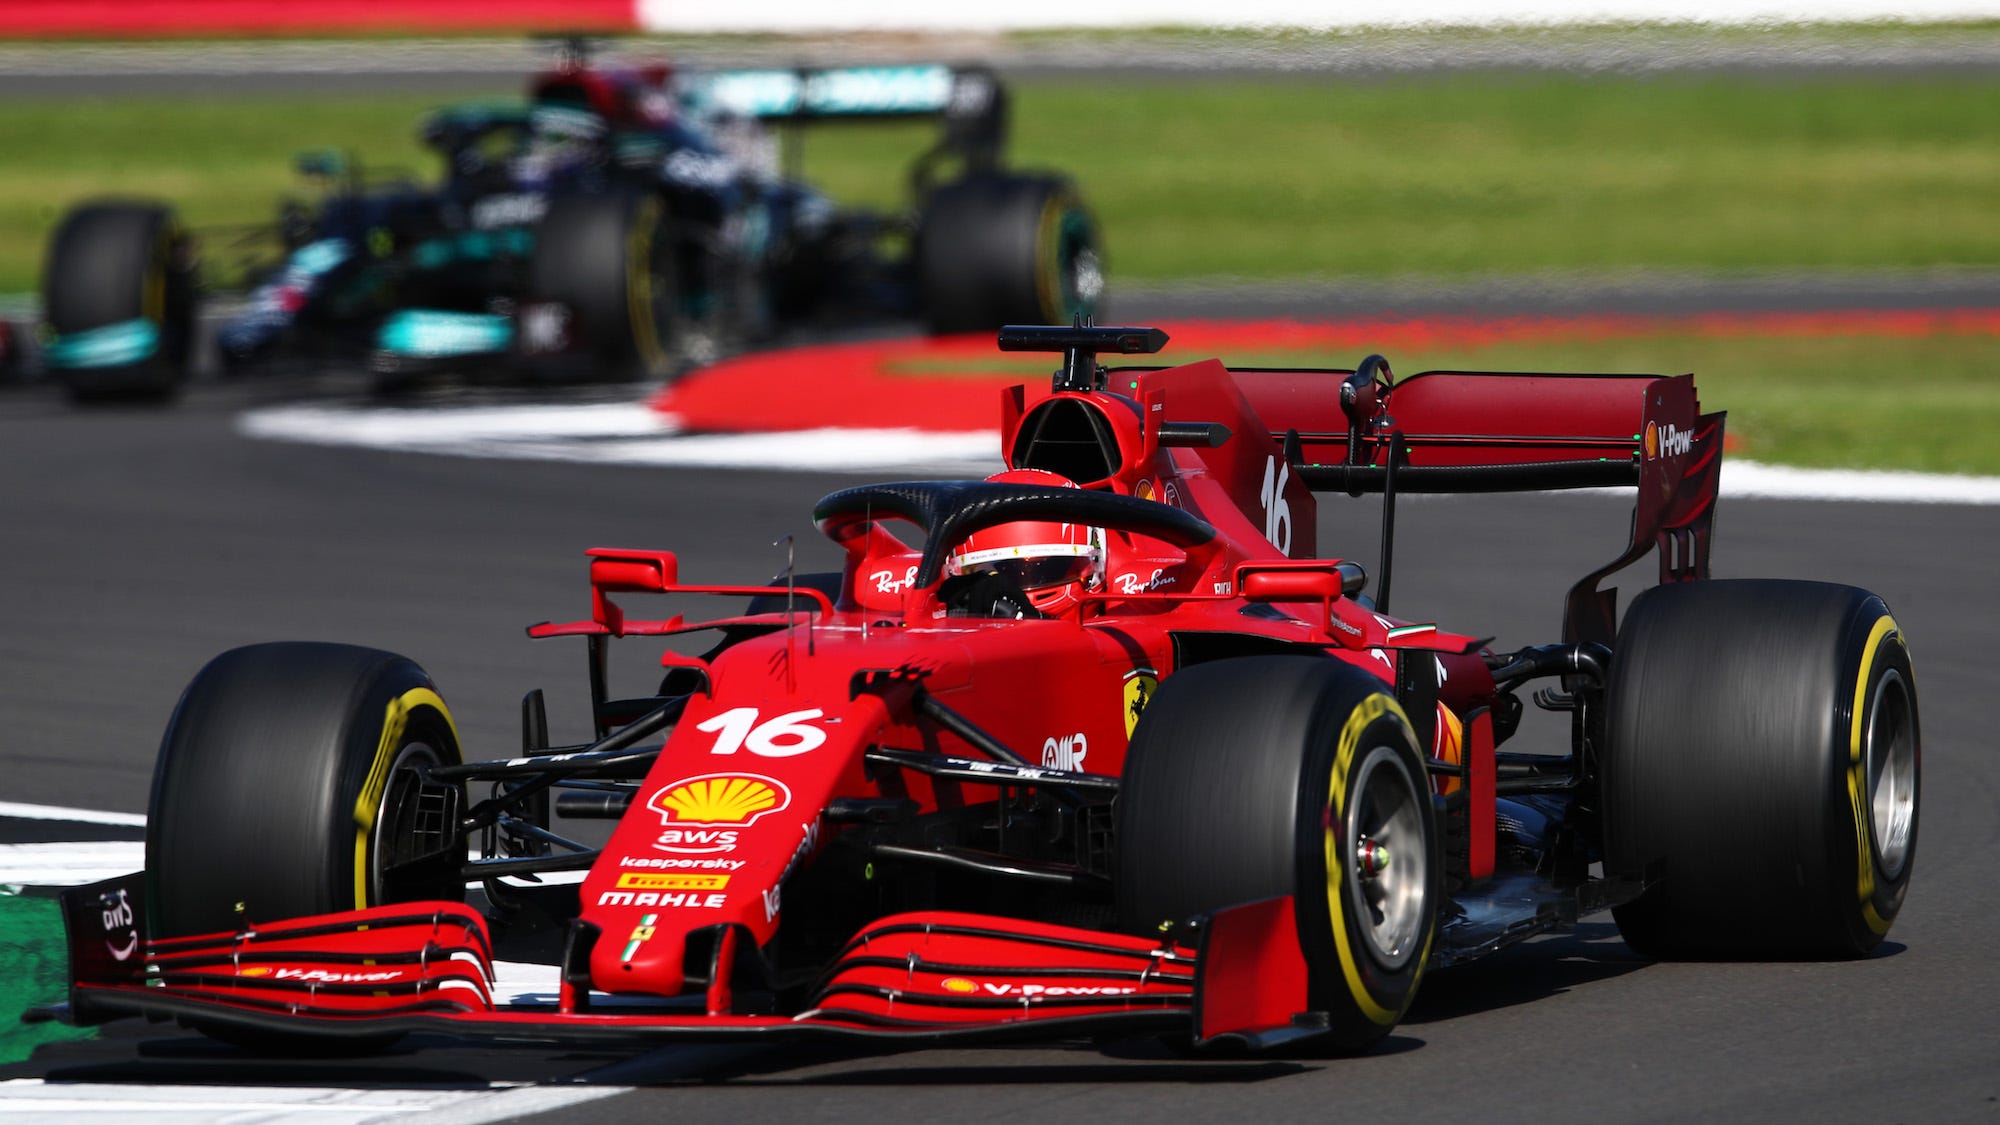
609 258
118 295
999 249
1761 769
1280 775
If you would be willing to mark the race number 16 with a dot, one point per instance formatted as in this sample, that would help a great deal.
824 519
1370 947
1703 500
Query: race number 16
783 736
1277 510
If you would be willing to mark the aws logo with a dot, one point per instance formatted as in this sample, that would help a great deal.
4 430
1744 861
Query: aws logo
703 814
1667 441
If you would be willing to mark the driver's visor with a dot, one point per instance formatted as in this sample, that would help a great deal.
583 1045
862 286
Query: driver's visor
1032 566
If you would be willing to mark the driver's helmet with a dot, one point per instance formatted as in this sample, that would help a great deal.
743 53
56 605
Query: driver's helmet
560 137
1054 564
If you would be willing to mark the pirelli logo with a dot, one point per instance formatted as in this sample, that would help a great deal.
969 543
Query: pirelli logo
651 881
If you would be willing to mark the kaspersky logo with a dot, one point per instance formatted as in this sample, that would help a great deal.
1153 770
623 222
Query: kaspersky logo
703 814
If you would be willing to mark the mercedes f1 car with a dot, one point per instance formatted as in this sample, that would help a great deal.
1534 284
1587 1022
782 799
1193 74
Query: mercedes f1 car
1102 745
622 221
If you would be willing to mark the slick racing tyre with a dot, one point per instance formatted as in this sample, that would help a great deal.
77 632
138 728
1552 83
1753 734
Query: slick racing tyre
1273 775
118 297
1760 770
609 259
999 249
291 781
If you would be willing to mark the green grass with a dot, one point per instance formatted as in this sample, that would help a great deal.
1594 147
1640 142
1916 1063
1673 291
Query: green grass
1491 175
1847 402
37 972
1434 176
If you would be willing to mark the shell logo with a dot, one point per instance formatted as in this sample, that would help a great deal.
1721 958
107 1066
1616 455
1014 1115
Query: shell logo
958 984
720 798
254 973
1652 440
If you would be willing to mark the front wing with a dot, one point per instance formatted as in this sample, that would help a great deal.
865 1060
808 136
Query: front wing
1235 976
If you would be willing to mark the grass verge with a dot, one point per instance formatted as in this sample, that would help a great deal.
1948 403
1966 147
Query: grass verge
31 947
1428 175
1906 391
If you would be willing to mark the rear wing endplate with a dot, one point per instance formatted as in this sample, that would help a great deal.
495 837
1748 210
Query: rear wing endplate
1465 431
1481 431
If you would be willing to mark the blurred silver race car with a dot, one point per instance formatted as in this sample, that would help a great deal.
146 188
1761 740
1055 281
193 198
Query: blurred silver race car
621 221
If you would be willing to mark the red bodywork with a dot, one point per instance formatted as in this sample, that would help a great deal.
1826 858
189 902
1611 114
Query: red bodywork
798 718
629 97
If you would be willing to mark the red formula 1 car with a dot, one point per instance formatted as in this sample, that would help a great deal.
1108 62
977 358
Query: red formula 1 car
1115 750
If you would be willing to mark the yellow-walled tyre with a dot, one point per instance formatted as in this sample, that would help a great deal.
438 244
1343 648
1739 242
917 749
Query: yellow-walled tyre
1761 770
610 258
291 781
1272 775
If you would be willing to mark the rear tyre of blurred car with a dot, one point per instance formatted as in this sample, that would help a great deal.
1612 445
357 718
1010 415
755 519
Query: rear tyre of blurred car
1004 249
1272 775
291 782
1761 770
127 268
609 258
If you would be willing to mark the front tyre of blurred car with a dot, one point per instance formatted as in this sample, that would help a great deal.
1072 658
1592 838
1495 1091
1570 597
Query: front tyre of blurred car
1761 770
1263 776
118 297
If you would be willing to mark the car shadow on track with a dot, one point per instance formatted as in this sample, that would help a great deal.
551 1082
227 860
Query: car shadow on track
1591 952
153 1056
1125 1061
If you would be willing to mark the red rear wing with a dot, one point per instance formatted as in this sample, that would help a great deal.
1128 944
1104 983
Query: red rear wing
1482 431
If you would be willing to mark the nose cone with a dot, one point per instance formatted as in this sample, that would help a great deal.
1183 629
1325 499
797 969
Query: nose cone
643 940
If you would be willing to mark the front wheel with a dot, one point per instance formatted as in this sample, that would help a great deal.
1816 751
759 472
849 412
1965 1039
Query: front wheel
118 294
1289 775
293 780
1761 769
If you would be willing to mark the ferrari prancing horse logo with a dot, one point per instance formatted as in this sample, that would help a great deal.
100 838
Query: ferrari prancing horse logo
1140 684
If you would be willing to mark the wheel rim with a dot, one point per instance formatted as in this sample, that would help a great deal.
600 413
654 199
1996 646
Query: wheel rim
649 288
1388 858
405 828
1891 749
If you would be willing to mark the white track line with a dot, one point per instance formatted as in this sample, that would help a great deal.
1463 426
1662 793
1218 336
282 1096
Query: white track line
616 434
81 816
64 1103
1748 478
633 434
69 864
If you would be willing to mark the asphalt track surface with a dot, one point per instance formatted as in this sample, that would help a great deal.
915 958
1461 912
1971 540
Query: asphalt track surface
134 545
137 544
